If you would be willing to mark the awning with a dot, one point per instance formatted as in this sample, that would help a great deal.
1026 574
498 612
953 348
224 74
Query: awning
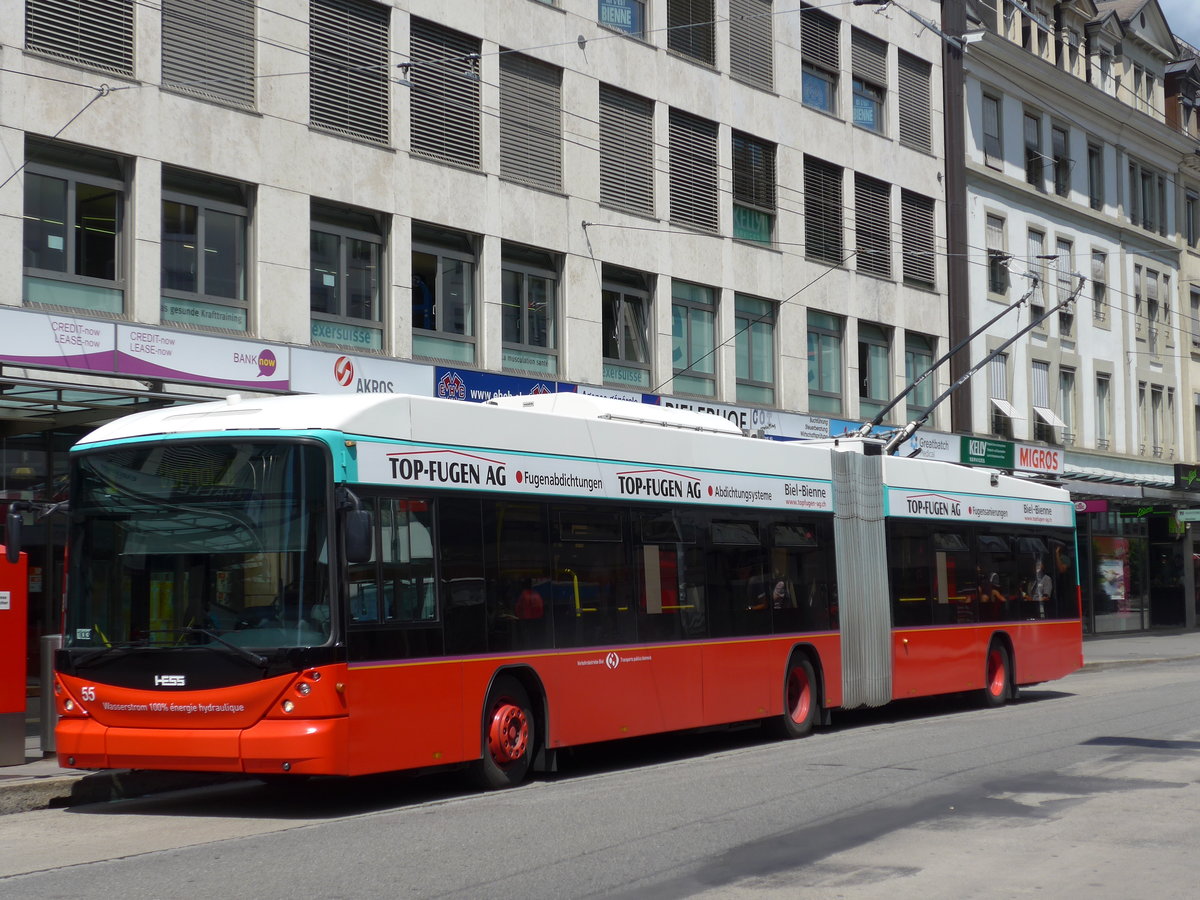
1049 417
1007 408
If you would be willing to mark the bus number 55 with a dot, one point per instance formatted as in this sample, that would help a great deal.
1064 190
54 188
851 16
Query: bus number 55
87 694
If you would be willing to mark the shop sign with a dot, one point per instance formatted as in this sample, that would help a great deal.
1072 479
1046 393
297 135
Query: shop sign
984 452
58 342
179 356
1188 515
1187 477
479 387
322 372
1034 458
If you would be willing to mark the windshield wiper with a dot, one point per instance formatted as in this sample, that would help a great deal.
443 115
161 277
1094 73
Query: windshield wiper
260 661
97 654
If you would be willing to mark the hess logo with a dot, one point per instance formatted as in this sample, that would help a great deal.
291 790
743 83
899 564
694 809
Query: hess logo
170 680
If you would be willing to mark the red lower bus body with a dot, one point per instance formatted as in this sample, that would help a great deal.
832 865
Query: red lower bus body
414 714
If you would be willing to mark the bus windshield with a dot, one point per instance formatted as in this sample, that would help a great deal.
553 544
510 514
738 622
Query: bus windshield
197 542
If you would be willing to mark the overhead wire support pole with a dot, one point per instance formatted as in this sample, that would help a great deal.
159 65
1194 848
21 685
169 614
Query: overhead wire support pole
912 427
868 427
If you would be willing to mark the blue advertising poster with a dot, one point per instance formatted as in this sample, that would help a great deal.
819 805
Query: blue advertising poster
477 387
624 15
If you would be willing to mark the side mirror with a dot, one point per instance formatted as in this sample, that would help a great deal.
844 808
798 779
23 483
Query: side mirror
12 547
360 534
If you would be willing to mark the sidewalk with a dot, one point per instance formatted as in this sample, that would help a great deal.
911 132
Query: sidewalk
41 783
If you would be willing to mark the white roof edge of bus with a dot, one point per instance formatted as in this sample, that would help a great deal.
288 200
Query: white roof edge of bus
586 406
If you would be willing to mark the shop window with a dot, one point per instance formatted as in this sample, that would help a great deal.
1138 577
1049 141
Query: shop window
529 310
346 258
693 338
204 247
754 321
74 230
625 337
443 295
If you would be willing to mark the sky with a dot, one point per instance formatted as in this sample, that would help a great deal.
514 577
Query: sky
1184 18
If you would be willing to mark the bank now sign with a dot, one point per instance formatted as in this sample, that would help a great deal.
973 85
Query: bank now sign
1043 460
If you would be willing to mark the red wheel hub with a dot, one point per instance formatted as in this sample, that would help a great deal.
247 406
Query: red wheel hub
996 673
799 694
508 733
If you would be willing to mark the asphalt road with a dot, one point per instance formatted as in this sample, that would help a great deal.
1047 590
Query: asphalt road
1086 787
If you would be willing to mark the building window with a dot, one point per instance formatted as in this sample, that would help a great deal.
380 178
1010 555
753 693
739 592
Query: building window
626 150
349 68
824 363
346 258
874 370
529 304
208 49
1104 411
1064 276
993 148
752 42
1191 218
872 225
1003 412
443 295
444 104
1147 197
1066 404
1099 285
1037 266
1143 428
1096 176
918 357
820 59
823 239
1059 148
204 251
1033 151
98 33
915 117
628 16
1156 421
1045 419
1152 310
868 59
917 239
625 301
530 121
754 321
693 339
691 29
694 174
1195 329
74 229
997 251
753 188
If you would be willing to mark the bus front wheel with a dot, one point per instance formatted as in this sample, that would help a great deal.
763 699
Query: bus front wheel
997 684
508 735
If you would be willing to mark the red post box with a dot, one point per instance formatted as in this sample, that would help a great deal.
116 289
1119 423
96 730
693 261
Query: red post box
14 619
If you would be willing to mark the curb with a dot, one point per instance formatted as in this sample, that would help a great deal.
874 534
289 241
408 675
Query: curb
59 791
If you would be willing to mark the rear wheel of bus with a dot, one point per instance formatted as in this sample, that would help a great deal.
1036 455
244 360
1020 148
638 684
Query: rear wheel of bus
997 685
509 735
801 699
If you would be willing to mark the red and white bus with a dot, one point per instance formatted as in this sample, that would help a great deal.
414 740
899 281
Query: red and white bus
345 585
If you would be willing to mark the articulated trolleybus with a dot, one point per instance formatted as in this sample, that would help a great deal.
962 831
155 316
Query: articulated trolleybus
343 585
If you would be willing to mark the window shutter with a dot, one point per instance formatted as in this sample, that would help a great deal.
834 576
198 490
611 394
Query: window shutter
1041 384
752 41
868 56
915 117
693 177
690 25
349 68
998 370
819 39
873 225
530 121
753 172
823 210
444 105
93 32
208 49
1099 266
916 238
626 150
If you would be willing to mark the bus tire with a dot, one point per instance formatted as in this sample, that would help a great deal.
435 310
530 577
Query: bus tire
800 700
997 684
508 736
